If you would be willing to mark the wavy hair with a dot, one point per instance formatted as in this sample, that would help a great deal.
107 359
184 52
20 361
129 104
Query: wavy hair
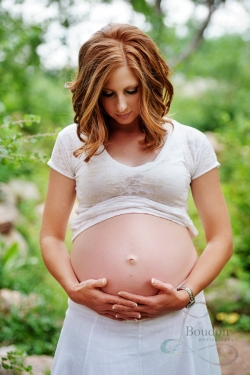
112 47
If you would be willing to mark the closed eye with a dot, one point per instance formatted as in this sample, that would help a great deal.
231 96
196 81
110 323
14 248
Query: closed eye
107 94
134 91
129 92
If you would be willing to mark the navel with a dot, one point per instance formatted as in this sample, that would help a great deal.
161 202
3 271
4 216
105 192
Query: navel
131 259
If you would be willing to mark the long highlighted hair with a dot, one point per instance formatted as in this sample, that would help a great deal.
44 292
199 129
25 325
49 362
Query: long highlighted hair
108 49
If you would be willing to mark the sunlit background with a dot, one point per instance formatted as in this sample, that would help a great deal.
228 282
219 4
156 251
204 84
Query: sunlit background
207 44
86 17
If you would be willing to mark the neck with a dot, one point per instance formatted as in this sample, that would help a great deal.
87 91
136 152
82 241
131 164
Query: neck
133 128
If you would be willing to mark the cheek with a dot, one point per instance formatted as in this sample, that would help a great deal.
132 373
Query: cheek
105 105
137 103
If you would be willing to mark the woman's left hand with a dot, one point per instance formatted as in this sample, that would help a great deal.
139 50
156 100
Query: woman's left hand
168 299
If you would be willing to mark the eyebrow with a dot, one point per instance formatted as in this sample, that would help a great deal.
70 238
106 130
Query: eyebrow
134 86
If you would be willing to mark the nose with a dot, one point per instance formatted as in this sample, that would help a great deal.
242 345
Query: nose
121 104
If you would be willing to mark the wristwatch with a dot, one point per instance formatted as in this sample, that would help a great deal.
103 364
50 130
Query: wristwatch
189 291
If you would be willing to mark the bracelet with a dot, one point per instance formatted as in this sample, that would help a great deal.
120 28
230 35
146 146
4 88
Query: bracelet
191 296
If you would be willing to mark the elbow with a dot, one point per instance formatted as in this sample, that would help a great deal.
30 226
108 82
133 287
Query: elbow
224 244
42 238
49 234
228 246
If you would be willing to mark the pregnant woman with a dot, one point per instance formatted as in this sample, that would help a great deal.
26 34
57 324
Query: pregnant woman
133 277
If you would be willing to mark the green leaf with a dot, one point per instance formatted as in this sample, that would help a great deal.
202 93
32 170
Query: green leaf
10 253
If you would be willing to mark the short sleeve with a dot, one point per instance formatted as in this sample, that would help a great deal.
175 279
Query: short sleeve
61 158
205 159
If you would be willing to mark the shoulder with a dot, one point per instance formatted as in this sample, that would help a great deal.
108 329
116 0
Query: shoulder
62 158
188 133
188 138
68 131
68 136
196 149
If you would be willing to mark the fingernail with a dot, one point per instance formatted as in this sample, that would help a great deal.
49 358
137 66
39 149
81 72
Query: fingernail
117 316
119 293
113 307
153 281
103 281
139 316
135 305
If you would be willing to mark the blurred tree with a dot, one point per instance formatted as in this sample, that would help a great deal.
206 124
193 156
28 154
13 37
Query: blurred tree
25 86
156 15
214 84
19 59
211 79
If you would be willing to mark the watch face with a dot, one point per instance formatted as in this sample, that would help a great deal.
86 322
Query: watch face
190 293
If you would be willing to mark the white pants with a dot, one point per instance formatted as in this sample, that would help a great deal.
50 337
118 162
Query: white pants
173 344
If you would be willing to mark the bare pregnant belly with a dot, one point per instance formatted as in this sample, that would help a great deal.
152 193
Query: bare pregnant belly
131 249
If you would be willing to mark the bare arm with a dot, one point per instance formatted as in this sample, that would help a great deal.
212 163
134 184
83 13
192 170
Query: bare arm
58 205
213 212
214 216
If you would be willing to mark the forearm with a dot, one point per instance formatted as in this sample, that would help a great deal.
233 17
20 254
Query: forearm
57 261
214 257
86 293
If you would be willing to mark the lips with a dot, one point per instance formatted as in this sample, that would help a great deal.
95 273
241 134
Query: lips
124 116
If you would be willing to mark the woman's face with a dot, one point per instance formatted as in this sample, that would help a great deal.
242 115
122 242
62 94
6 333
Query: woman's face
120 97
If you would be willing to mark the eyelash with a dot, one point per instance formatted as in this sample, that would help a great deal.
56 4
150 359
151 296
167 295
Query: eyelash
128 92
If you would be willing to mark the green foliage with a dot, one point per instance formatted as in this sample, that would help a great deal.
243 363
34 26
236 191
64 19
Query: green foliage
219 81
15 269
35 325
212 94
15 361
236 178
25 85
243 323
16 145
8 256
33 329
13 140
18 59
20 152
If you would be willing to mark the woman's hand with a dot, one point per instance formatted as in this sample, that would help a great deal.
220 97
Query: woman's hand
168 299
88 293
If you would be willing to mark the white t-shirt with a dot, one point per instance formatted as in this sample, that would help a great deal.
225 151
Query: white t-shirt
106 188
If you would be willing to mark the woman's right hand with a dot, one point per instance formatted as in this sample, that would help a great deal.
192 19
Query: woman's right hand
88 293
56 256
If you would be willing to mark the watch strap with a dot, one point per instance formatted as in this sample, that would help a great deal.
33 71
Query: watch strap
191 296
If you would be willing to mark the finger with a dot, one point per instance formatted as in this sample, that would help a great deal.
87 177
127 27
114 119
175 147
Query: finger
134 297
119 317
130 314
167 288
125 317
122 309
99 283
127 311
113 317
125 302
92 283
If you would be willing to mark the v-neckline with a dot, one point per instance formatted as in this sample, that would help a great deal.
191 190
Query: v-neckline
156 159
